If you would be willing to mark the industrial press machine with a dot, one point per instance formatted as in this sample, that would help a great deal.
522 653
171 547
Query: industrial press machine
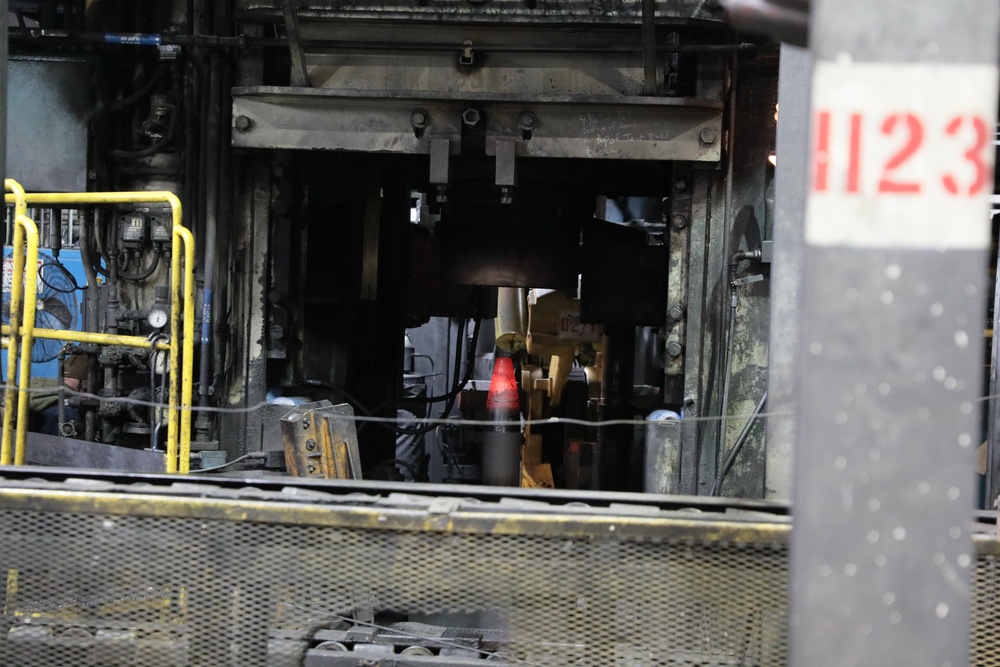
283 246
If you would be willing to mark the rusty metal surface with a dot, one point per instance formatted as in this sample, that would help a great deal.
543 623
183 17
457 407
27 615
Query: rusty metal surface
587 11
321 440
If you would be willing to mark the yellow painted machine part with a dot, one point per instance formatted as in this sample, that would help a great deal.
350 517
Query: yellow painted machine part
6 445
94 338
182 378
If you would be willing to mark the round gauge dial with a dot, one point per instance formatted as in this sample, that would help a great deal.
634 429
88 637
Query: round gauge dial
157 318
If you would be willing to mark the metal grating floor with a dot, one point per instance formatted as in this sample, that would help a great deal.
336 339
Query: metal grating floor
171 580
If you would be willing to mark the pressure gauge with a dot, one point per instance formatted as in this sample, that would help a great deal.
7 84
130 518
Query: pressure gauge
157 318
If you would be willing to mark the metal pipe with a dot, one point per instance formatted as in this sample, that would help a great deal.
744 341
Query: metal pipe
62 385
313 44
726 243
55 232
242 42
213 148
738 446
225 215
178 426
727 380
650 86
90 417
190 191
615 455
728 371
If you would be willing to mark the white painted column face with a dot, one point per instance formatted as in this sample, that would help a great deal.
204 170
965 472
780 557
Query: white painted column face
903 155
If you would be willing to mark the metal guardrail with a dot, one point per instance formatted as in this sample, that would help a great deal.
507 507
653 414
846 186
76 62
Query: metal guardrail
324 574
21 332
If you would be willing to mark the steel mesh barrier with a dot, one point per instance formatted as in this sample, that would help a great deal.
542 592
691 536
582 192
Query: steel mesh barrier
131 579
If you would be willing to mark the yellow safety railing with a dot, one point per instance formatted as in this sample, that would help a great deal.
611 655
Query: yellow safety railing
181 345
23 286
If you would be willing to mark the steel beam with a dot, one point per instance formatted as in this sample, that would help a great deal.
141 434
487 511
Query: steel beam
791 184
617 12
608 127
51 450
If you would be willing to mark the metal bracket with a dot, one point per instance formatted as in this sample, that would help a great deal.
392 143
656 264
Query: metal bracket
748 280
320 440
506 168
300 75
467 56
440 161
440 167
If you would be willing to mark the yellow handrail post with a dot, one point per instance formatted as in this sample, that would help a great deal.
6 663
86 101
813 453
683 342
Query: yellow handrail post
30 273
10 395
187 375
175 353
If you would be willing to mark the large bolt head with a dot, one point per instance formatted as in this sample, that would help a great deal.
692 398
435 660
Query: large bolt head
471 117
418 119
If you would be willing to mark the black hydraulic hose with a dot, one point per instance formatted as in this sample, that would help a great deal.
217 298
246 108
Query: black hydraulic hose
414 476
450 396
163 142
140 93
144 273
741 440
62 269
